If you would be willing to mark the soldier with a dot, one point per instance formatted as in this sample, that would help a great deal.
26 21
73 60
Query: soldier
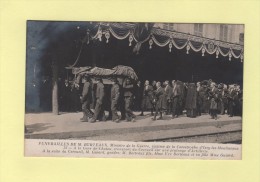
128 98
214 99
99 109
114 99
158 101
86 99
221 108
167 91
204 94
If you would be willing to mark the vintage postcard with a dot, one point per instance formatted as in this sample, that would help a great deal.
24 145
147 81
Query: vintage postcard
134 90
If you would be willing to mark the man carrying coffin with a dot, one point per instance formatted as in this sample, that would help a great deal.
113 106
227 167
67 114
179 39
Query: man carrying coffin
86 99
115 93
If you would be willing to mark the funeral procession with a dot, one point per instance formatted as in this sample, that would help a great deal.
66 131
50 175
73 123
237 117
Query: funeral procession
130 81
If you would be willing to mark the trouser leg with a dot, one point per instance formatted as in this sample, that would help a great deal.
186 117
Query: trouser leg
128 103
122 108
114 110
97 110
175 107
156 112
231 108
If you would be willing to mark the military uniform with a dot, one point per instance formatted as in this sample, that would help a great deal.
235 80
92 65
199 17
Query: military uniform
99 109
114 101
214 101
86 100
159 102
128 98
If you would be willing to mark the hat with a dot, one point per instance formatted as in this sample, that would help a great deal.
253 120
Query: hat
220 86
204 83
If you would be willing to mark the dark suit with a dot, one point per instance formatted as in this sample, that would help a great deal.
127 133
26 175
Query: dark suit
199 100
167 98
114 101
86 100
99 109
138 91
175 97
231 101
214 101
147 98
159 101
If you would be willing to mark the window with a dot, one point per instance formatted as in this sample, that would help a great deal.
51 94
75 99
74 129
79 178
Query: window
168 26
223 33
198 29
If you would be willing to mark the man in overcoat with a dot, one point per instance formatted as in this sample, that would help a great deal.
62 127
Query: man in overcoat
175 97
167 96
147 98
159 101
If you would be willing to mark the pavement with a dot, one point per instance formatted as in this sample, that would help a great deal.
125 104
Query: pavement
69 126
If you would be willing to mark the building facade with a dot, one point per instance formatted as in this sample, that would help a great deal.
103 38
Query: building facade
223 32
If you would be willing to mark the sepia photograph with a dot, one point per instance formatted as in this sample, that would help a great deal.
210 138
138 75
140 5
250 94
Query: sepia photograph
151 85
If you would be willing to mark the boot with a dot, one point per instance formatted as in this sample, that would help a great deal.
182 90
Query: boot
92 120
154 118
160 118
142 113
84 118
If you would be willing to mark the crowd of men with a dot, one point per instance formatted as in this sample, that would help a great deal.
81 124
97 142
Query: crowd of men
167 98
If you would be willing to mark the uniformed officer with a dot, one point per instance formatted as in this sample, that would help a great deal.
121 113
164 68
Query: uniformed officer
128 97
115 93
99 109
86 99
214 99
159 101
